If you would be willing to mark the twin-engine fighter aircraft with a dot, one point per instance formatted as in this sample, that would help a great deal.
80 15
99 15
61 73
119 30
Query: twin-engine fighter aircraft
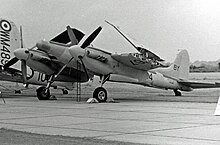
10 40
142 68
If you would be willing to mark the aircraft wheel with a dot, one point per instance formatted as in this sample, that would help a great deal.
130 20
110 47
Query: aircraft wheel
41 95
17 91
100 94
65 91
177 93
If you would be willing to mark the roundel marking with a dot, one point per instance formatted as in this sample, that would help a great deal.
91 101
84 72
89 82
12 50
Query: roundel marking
5 25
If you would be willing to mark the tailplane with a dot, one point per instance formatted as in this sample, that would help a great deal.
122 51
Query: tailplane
9 40
179 68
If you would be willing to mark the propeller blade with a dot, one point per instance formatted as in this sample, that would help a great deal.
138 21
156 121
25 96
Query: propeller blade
84 67
72 36
91 37
21 35
10 62
24 71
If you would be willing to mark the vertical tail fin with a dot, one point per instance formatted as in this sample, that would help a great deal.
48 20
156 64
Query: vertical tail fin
179 68
9 40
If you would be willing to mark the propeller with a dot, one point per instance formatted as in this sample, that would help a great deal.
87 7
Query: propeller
23 62
78 51
86 43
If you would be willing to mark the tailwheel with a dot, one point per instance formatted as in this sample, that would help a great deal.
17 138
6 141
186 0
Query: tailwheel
17 91
177 93
100 94
42 94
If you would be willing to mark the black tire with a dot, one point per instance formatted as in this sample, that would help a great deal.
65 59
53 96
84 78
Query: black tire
65 91
17 91
41 95
100 94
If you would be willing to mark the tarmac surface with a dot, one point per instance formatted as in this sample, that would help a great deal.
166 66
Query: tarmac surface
140 115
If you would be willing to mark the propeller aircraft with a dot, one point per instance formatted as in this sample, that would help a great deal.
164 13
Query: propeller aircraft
143 68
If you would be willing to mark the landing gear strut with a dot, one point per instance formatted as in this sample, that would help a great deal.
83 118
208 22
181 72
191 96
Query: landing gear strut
177 93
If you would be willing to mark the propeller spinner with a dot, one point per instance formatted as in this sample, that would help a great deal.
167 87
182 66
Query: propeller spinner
78 51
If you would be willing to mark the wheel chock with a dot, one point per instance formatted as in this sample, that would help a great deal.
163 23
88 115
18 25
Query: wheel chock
111 100
52 97
217 109
92 100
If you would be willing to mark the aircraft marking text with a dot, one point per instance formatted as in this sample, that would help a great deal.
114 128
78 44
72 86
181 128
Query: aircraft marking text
176 67
4 40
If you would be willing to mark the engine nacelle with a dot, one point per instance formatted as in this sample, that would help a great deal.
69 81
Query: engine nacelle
76 51
43 45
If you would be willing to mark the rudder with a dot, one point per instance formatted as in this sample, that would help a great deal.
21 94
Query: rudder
179 68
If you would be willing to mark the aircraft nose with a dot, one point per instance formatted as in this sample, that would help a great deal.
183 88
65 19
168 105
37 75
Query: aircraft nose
21 53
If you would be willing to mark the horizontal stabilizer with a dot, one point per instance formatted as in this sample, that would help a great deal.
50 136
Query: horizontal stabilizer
198 85
64 37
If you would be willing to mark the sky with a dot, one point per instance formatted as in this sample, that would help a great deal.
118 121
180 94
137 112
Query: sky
162 26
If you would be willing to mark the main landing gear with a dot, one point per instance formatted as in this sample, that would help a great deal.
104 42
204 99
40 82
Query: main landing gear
177 93
43 94
100 93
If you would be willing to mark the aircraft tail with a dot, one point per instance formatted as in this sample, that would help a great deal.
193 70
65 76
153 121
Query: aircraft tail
9 40
179 68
